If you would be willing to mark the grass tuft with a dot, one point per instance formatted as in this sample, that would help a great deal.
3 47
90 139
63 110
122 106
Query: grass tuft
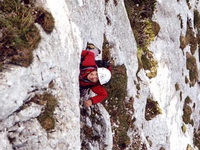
46 118
18 34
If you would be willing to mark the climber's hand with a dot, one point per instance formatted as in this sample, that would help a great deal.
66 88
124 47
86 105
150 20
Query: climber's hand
88 103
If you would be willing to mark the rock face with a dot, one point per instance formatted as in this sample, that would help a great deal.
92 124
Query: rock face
55 70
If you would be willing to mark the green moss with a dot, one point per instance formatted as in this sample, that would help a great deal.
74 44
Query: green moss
145 31
118 108
152 109
45 19
192 67
187 111
46 119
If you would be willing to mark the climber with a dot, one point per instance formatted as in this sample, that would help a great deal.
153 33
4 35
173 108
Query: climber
93 77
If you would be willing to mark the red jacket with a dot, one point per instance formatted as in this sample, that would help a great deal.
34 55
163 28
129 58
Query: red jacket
88 65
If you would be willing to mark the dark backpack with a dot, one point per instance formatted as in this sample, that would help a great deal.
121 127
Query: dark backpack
104 63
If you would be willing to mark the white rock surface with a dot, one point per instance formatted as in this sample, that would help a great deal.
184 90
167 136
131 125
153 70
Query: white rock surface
57 58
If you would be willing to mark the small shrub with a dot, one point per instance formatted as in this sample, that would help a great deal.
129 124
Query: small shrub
46 118
192 67
152 109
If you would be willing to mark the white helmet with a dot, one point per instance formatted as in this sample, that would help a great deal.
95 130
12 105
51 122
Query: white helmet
104 75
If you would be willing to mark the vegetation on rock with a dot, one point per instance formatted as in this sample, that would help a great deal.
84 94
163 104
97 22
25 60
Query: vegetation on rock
193 69
18 34
46 118
145 30
189 38
152 109
187 111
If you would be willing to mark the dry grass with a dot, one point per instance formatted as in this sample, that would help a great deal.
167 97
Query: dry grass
18 34
46 118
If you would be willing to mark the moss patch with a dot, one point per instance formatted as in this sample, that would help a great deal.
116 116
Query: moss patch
120 111
18 34
149 64
187 111
145 30
152 109
193 69
46 118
